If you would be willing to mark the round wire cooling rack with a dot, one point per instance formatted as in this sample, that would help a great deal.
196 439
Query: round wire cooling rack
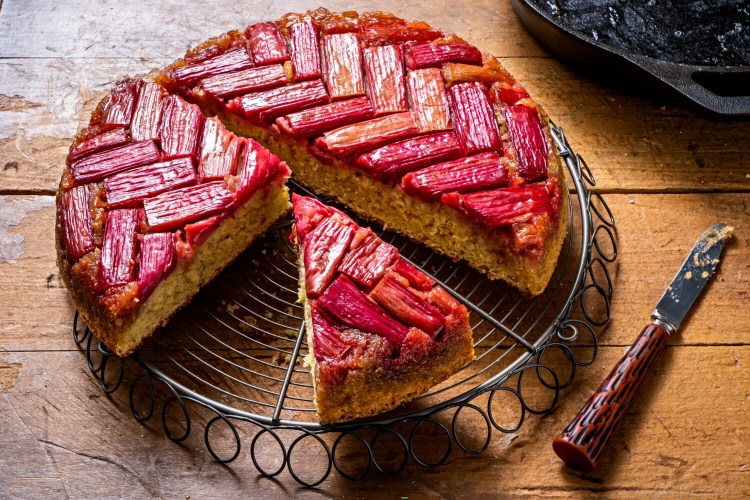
236 353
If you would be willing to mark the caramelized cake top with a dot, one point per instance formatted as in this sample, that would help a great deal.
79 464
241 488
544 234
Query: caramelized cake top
147 182
409 105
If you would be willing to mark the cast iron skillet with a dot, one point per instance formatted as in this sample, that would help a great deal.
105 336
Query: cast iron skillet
721 90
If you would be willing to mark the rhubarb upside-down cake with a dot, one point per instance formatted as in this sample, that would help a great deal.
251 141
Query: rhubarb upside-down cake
406 125
380 330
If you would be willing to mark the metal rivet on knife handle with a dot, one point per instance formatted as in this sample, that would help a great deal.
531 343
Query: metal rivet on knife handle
582 444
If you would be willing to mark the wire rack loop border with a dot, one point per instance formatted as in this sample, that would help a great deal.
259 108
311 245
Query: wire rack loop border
598 233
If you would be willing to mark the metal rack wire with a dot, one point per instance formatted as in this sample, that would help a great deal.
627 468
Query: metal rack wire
236 352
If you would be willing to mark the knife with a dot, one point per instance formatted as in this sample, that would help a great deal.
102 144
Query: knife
582 444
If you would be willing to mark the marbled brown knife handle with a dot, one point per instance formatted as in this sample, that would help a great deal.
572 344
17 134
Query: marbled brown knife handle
582 444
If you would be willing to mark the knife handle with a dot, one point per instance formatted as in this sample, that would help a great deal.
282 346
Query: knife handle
582 444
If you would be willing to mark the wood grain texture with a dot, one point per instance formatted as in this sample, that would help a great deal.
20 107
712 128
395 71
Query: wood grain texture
72 440
673 173
168 28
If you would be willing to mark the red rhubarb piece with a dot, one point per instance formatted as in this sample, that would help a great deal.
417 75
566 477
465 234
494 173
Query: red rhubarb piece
368 135
308 213
181 126
506 93
428 100
327 343
147 114
110 139
502 207
416 278
324 247
432 54
490 72
529 237
132 187
219 152
305 43
406 306
320 119
117 107
367 259
77 228
392 161
245 80
344 304
340 24
384 69
157 259
525 131
397 32
444 301
257 167
266 43
99 165
231 60
267 105
173 209
342 65
473 118
118 248
198 232
474 173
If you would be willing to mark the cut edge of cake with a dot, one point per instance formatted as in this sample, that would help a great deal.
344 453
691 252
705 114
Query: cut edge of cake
235 234
425 222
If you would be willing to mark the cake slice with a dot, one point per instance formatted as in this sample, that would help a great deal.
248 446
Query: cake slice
379 331
155 201
403 123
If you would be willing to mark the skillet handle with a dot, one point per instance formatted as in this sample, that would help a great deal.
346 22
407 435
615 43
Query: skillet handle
724 91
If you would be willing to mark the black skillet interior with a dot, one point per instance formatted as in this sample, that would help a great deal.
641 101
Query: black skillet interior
719 90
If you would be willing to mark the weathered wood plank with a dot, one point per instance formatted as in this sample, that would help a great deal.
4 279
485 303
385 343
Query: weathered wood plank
43 103
114 29
630 143
67 436
655 234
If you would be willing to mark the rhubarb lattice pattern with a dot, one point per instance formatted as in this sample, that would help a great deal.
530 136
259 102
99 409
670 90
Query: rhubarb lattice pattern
407 104
146 183
370 306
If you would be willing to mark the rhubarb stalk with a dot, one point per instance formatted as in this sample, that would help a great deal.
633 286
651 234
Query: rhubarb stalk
118 248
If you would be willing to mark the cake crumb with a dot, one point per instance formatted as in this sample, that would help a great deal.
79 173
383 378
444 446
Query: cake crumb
688 275
704 274
232 308
282 358
248 324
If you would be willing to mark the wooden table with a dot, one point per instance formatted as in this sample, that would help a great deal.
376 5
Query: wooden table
666 172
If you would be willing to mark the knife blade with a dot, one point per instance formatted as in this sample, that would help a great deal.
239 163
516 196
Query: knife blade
689 281
582 444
